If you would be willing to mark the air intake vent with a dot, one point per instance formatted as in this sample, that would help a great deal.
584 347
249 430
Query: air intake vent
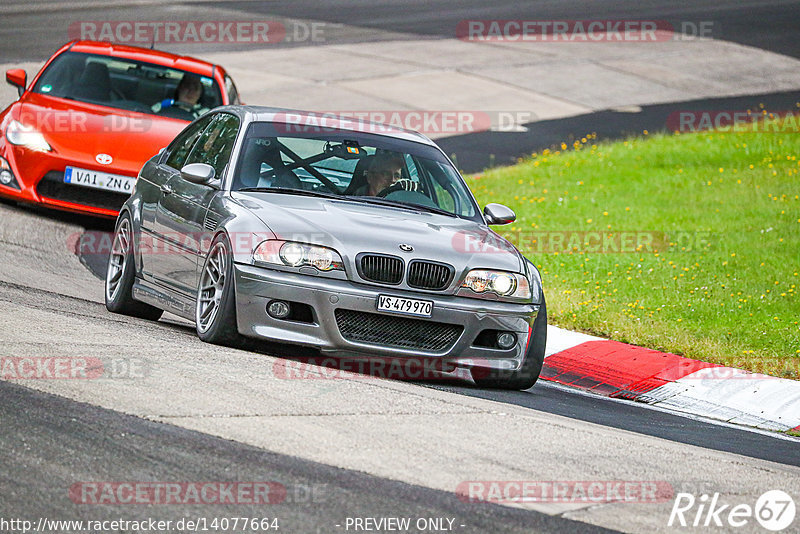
429 275
211 222
380 268
391 331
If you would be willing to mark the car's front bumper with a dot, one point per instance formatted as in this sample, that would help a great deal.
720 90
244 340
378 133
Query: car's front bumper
256 287
32 170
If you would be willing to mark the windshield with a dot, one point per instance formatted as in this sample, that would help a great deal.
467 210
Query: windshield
128 84
359 166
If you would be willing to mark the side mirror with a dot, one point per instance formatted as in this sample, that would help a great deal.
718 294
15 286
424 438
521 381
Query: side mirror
198 173
18 78
499 214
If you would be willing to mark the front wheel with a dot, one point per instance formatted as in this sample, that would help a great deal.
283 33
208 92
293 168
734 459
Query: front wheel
215 308
121 274
527 375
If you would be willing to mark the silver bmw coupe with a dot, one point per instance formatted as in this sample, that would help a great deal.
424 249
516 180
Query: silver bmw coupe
349 238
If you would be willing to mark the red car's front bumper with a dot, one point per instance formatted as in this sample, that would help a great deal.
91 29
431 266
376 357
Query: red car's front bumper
40 179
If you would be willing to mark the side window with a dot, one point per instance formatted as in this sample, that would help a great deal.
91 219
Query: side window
216 143
183 144
230 88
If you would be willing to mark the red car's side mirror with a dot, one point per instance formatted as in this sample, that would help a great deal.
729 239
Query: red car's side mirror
18 78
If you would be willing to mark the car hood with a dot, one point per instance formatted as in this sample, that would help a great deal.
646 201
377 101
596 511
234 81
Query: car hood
78 132
353 227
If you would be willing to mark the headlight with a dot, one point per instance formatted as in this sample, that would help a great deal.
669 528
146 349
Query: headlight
21 135
291 254
501 283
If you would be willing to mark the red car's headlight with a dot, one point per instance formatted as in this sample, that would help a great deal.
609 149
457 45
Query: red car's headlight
21 135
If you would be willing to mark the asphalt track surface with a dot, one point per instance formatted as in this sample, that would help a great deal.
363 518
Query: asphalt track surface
770 25
48 443
477 151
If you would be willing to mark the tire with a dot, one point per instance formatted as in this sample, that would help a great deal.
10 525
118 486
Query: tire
215 305
121 274
527 375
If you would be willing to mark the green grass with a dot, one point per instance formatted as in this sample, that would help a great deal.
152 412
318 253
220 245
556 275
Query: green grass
721 285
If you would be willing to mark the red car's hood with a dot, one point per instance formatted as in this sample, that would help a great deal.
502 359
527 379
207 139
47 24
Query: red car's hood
78 132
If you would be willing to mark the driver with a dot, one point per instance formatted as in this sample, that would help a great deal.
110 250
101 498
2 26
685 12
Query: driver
385 175
186 102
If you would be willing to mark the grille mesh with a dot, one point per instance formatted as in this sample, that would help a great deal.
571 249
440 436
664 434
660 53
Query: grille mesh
429 275
381 269
394 331
53 186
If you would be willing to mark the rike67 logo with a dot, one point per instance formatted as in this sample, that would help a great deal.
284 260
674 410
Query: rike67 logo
774 510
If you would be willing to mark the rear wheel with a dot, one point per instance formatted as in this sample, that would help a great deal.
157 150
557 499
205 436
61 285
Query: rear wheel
215 309
527 375
121 274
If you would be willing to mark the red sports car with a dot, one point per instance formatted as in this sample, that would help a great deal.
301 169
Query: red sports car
79 133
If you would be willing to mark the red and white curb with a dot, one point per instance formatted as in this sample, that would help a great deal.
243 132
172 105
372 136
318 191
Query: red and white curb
615 369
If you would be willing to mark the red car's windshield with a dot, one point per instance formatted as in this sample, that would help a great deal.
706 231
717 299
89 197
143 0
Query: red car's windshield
128 84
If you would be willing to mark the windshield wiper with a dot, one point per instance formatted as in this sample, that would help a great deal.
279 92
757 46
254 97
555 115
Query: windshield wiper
403 205
289 191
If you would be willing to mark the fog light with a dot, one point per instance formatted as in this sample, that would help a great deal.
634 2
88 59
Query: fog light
6 177
279 309
506 340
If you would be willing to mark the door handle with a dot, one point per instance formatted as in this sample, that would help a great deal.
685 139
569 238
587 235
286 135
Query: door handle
167 189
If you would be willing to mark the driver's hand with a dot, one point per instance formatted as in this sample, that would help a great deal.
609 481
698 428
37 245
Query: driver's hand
406 185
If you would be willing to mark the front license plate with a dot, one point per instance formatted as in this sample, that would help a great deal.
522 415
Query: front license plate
99 180
420 308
